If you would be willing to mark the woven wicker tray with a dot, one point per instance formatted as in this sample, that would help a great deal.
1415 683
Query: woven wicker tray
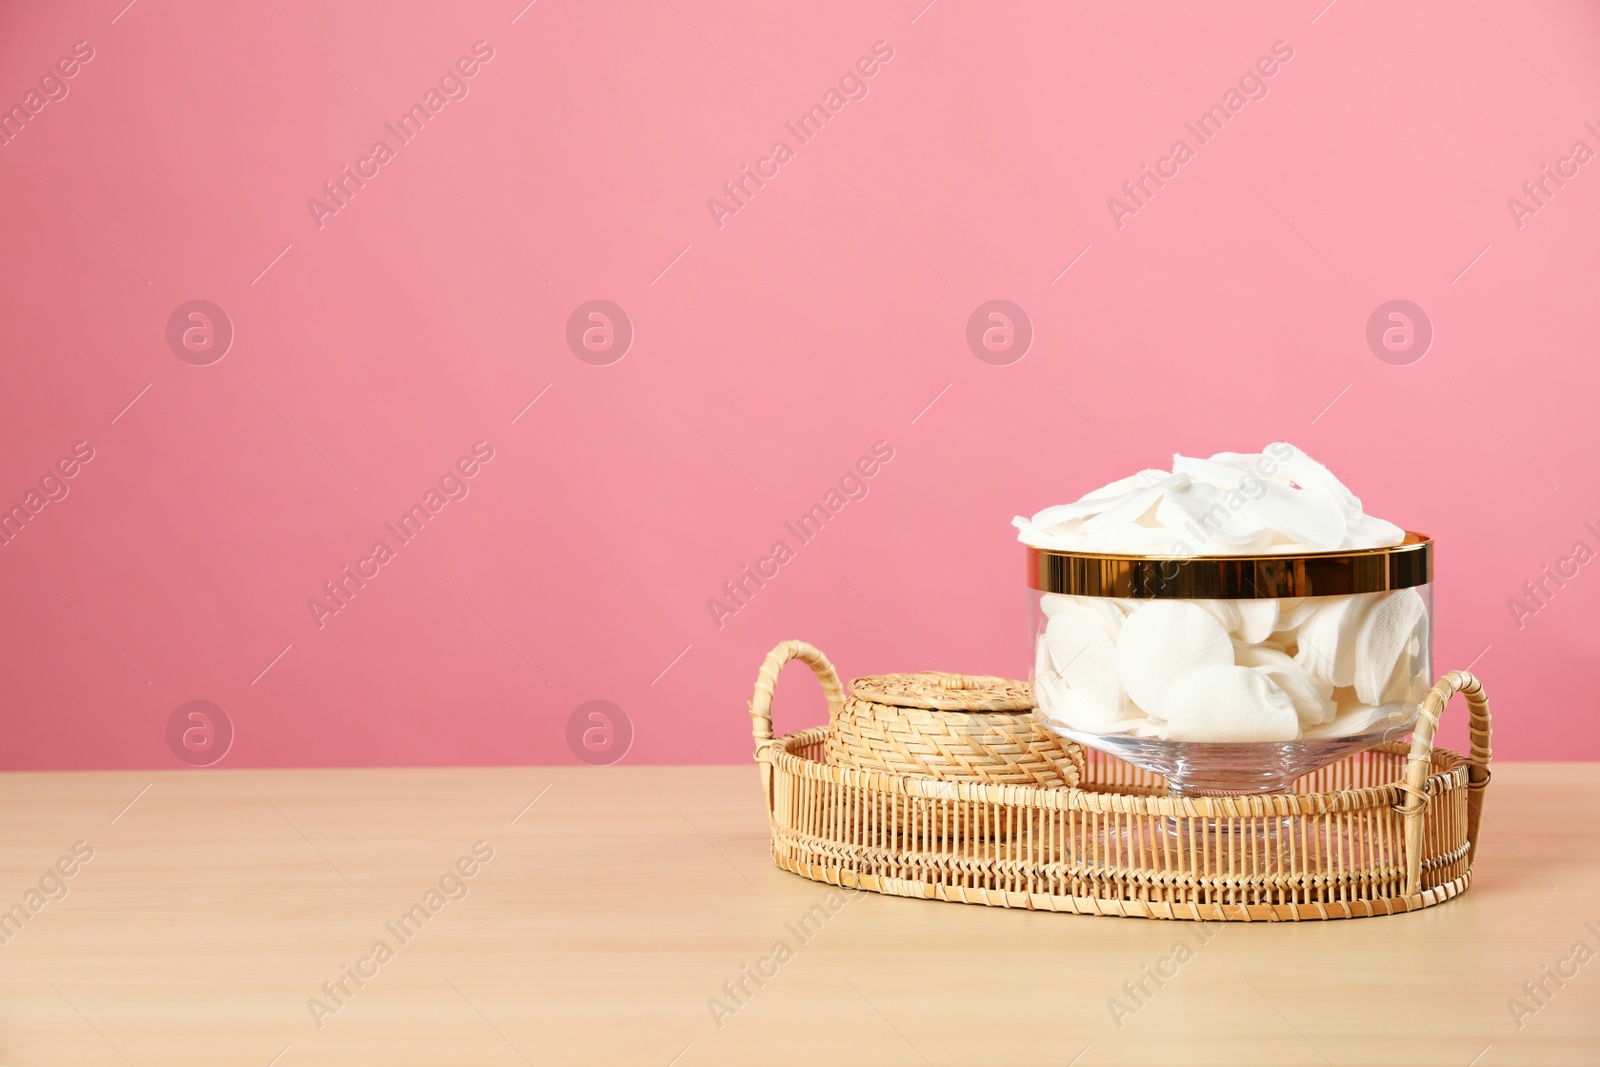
1389 830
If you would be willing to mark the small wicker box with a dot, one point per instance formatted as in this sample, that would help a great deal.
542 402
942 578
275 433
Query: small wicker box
953 727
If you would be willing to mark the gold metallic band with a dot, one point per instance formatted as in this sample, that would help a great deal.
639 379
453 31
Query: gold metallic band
1372 570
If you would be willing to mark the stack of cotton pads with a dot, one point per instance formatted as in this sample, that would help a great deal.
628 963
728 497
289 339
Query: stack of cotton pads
1226 670
1236 503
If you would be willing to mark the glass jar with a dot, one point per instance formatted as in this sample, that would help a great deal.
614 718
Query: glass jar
1232 674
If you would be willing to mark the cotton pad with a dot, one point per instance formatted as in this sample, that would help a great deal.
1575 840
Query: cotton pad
1224 611
1101 609
1387 630
1140 480
1293 612
1162 644
1133 506
1151 728
1209 472
1084 658
1042 663
1313 477
1355 719
1101 499
1207 524
1063 538
1327 637
1126 539
1230 704
1280 501
1065 706
1260 463
1303 518
1369 531
1257 620
1063 514
1312 697
1048 691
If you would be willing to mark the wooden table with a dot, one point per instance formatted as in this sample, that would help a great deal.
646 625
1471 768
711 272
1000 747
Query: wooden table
621 909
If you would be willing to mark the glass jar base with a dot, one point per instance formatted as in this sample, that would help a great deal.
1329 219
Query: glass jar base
1256 768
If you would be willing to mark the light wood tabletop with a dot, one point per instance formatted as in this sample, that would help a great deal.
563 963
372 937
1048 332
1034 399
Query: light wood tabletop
633 916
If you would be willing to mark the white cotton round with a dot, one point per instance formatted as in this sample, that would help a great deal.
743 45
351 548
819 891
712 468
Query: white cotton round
1132 507
1293 611
1231 704
1326 638
1081 509
1278 640
1084 657
1209 472
1281 502
1355 719
1126 539
1026 531
1150 729
1101 609
1062 538
1257 620
1387 630
1312 697
1139 480
1127 605
1313 521
1224 611
1056 603
1064 707
1182 506
1369 531
1203 523
1048 695
1102 499
1313 477
1163 643
1241 460
1283 546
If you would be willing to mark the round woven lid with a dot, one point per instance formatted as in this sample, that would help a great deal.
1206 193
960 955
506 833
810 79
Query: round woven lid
939 691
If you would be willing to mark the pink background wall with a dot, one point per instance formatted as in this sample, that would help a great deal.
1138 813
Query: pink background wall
375 345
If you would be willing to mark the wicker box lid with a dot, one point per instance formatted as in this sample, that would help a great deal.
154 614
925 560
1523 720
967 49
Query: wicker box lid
938 691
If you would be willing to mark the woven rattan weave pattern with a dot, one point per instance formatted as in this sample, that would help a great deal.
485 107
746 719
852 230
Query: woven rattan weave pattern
1389 830
954 727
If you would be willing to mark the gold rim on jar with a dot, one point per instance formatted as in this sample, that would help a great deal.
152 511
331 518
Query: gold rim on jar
1369 570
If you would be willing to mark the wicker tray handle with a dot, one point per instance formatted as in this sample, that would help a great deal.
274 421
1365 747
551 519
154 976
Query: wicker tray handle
1417 766
761 704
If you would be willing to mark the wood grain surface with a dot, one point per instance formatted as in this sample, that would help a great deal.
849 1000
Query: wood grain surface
633 916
